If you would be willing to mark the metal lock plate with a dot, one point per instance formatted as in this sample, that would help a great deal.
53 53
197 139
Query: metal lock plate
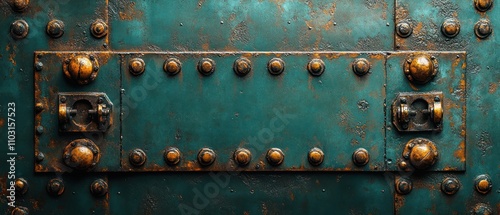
84 112
418 111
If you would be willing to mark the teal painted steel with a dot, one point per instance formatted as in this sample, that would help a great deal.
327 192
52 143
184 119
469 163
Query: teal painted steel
246 26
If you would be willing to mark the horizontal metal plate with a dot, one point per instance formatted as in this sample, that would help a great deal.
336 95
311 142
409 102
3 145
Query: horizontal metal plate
295 111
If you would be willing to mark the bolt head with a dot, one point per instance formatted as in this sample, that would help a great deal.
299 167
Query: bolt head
137 66
172 66
421 69
316 67
450 186
99 187
242 66
19 29
55 187
206 157
361 66
483 29
403 186
404 29
55 28
276 66
242 157
450 27
206 66
483 5
99 28
137 157
172 156
20 5
483 184
360 157
275 156
316 156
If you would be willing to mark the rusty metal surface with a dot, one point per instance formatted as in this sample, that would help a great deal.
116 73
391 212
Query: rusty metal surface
251 26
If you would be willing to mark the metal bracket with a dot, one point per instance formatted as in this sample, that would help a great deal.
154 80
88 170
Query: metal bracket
418 111
84 112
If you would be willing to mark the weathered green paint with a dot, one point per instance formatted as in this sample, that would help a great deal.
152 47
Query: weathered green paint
256 26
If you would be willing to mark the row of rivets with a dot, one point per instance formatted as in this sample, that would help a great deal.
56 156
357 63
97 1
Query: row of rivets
55 187
55 28
243 66
449 185
450 28
242 156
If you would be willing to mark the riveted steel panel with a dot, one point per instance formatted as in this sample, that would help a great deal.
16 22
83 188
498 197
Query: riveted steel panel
337 112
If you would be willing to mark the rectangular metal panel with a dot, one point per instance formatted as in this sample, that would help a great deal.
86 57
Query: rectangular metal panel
252 25
450 80
337 112
48 84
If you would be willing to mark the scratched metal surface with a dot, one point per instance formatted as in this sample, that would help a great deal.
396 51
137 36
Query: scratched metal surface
253 26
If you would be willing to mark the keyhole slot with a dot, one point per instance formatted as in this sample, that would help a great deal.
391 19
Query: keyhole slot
82 116
420 109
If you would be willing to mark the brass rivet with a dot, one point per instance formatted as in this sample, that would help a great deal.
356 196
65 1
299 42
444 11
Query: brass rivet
483 5
99 28
361 66
403 186
206 66
242 157
55 28
21 185
450 186
421 152
172 66
81 154
206 156
19 29
404 29
136 66
420 69
483 184
482 28
360 157
172 156
275 156
20 5
81 69
39 156
276 66
315 156
316 67
137 157
19 210
242 66
55 187
99 187
450 27
403 165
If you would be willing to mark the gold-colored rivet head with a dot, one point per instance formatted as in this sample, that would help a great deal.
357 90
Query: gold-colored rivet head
81 154
206 157
242 157
360 157
403 186
450 27
99 187
361 66
172 156
483 29
206 66
136 66
483 5
242 66
55 28
99 28
21 185
316 67
137 157
20 5
421 152
276 66
275 156
420 69
483 184
55 187
316 156
81 69
172 66
450 186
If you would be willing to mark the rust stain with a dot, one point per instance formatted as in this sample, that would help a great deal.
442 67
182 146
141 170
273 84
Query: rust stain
2 122
493 88
130 13
205 46
460 152
292 196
